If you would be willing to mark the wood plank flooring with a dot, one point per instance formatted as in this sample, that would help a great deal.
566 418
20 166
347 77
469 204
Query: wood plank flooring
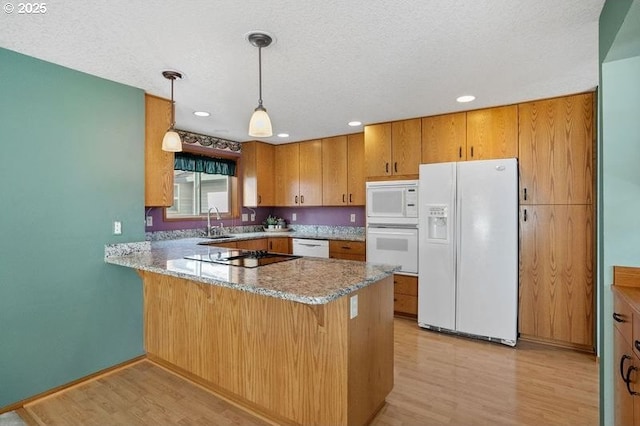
439 380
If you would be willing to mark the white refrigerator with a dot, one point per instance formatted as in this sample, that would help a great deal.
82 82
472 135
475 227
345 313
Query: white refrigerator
468 249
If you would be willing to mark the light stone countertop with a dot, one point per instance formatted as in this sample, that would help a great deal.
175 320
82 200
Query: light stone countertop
307 280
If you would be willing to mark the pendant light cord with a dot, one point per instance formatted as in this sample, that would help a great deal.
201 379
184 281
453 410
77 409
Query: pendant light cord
260 75
173 106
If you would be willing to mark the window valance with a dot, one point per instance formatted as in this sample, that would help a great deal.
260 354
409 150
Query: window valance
199 163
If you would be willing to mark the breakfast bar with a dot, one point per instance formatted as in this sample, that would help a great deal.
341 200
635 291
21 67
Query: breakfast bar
303 341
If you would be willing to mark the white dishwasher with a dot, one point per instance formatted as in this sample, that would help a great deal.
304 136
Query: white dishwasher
314 248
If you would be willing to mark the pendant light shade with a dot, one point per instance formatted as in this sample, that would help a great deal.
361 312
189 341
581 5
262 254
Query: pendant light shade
260 123
171 141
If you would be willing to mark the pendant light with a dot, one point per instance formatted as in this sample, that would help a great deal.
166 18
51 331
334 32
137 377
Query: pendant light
171 141
260 124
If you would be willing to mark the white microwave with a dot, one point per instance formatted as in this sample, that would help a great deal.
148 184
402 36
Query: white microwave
392 201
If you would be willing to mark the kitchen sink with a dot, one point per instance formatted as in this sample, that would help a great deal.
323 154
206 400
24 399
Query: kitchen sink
214 237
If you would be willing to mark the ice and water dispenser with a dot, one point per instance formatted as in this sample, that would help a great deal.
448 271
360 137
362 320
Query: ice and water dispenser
437 215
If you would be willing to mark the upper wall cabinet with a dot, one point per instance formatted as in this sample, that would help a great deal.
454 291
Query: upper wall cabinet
393 149
492 133
257 173
444 138
298 174
556 150
474 135
343 180
158 164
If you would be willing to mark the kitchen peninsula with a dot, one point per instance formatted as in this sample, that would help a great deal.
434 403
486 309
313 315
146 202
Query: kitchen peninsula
304 341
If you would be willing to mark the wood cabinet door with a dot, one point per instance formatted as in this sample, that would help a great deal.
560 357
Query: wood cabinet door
265 156
258 244
334 171
158 164
377 150
355 170
556 150
492 133
311 173
257 174
623 401
444 138
287 174
556 274
279 245
406 146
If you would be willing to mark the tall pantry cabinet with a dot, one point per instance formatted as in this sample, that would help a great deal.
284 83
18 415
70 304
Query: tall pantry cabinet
556 143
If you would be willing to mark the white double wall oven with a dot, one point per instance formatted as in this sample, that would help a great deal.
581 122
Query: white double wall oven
392 224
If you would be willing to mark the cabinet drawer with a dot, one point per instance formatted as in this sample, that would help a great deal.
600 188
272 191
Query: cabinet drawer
623 319
405 304
346 247
404 284
348 256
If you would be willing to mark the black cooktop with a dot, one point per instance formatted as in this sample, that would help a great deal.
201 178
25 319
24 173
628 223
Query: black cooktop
243 258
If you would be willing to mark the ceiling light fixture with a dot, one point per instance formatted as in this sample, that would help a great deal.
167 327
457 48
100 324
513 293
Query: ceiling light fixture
466 98
355 123
201 113
260 124
171 141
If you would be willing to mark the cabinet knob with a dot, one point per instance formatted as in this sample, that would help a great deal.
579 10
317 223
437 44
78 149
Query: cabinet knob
395 167
259 199
524 195
472 152
302 199
618 318
296 199
343 198
460 152
386 167
350 200
525 215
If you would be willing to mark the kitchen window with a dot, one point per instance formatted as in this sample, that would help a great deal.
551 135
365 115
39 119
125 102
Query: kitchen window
202 182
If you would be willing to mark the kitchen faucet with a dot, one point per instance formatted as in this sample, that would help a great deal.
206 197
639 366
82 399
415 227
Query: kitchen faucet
209 221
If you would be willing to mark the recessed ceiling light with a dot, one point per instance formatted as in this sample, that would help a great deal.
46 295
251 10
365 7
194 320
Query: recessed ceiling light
202 113
466 98
355 123
283 135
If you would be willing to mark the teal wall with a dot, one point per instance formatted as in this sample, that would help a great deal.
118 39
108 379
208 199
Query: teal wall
619 182
72 162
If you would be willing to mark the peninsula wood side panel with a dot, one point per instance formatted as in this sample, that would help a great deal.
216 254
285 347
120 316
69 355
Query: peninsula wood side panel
556 275
158 164
292 362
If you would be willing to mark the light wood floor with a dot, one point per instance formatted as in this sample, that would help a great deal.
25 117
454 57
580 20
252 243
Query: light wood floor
439 380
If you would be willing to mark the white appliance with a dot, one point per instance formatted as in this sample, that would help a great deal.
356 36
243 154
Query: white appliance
395 201
392 224
468 281
313 248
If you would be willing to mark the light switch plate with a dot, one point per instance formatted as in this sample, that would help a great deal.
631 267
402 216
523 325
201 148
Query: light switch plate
353 217
117 227
354 306
149 221
253 217
245 217
294 217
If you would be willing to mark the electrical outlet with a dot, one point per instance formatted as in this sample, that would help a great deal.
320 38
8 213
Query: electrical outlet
117 227
354 306
245 217
294 217
253 217
353 217
149 220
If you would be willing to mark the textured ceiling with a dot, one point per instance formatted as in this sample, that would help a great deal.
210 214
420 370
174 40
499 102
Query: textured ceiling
332 61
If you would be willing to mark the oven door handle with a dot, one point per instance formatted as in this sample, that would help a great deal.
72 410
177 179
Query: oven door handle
408 232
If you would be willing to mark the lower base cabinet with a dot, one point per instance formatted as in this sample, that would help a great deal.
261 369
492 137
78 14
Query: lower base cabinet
625 381
348 250
405 295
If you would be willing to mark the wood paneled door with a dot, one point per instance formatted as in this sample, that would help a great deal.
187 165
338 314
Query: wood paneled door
492 133
556 275
311 173
343 181
377 146
393 149
444 138
287 174
258 177
556 150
